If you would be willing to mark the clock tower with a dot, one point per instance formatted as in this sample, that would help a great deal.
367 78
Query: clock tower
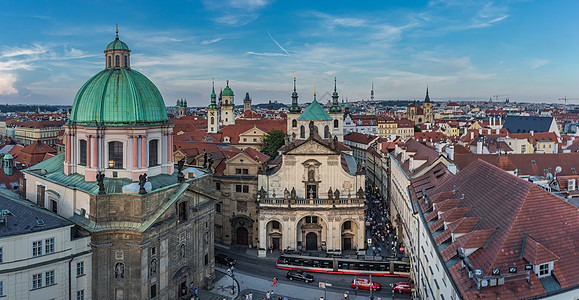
213 113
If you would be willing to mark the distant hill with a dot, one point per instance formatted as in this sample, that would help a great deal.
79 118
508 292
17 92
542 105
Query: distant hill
32 108
271 105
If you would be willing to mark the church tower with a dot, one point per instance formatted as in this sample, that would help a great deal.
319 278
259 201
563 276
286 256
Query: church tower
227 106
293 114
427 109
213 113
337 116
246 103
372 92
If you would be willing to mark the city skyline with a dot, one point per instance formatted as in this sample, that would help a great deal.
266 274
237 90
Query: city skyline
465 50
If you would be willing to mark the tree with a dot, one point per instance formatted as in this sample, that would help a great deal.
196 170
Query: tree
417 129
272 141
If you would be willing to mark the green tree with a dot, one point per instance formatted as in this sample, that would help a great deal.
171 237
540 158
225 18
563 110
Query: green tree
417 129
272 141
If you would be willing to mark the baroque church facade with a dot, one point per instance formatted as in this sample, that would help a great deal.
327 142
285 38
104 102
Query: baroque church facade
150 224
313 198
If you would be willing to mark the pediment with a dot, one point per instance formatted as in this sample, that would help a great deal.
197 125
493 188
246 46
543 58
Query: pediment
311 147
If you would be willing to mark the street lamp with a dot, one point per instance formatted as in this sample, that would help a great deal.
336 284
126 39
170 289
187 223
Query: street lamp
111 163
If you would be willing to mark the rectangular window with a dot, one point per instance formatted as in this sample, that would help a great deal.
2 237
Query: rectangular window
80 295
246 189
218 208
183 211
79 268
206 259
82 152
36 248
544 270
237 171
218 186
153 291
1 256
245 171
238 188
115 155
49 246
37 281
153 251
153 153
54 206
1 288
49 278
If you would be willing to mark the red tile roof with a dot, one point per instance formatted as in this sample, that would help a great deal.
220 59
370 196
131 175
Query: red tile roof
536 253
527 164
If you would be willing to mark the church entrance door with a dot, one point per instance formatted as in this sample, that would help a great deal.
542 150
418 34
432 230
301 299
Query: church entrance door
275 242
311 241
347 244
242 236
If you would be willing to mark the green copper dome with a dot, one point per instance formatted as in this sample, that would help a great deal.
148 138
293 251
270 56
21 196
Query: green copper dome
314 111
118 97
227 91
117 45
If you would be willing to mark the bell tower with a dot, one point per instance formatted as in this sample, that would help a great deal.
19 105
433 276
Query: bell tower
427 108
227 106
213 113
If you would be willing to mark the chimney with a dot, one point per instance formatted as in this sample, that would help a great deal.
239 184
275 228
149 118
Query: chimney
532 132
451 168
479 147
450 151
472 135
480 131
489 131
498 131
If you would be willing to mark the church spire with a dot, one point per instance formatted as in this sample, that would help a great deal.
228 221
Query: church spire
213 104
372 92
117 30
427 99
295 108
335 108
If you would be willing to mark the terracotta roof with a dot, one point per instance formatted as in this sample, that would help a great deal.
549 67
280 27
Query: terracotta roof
527 164
510 208
241 126
33 153
536 253
360 138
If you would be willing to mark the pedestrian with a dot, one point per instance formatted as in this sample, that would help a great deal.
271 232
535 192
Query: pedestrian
267 295
250 295
271 294
274 281
246 296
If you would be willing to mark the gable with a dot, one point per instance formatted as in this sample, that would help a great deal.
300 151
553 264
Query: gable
310 147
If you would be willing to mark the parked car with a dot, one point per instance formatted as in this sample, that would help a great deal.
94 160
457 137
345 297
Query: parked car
402 287
225 260
299 275
364 284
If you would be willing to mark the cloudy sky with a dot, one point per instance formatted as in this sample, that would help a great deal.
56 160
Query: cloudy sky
461 49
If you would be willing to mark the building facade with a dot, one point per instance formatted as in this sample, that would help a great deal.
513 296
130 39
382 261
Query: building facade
151 226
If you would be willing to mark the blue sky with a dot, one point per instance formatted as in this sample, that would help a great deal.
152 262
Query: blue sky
461 49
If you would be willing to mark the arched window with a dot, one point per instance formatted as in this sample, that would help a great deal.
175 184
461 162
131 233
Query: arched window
326 132
117 61
82 152
153 153
126 61
302 132
336 125
212 120
294 123
110 61
115 155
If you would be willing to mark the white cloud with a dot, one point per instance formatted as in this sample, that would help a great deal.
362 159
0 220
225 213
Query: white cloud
537 63
12 52
7 84
207 42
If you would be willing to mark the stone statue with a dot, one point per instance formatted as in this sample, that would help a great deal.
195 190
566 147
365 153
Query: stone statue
262 193
204 159
153 267
360 193
286 194
311 175
311 128
293 193
210 165
337 194
180 166
330 194
293 137
142 181
100 177
119 270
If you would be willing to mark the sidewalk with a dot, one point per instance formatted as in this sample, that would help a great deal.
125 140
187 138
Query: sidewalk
259 287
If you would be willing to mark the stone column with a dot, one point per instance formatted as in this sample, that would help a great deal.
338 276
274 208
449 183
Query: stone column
67 147
95 152
143 152
170 147
88 152
261 252
135 152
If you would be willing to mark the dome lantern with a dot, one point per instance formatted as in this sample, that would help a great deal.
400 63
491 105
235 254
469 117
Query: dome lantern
117 54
